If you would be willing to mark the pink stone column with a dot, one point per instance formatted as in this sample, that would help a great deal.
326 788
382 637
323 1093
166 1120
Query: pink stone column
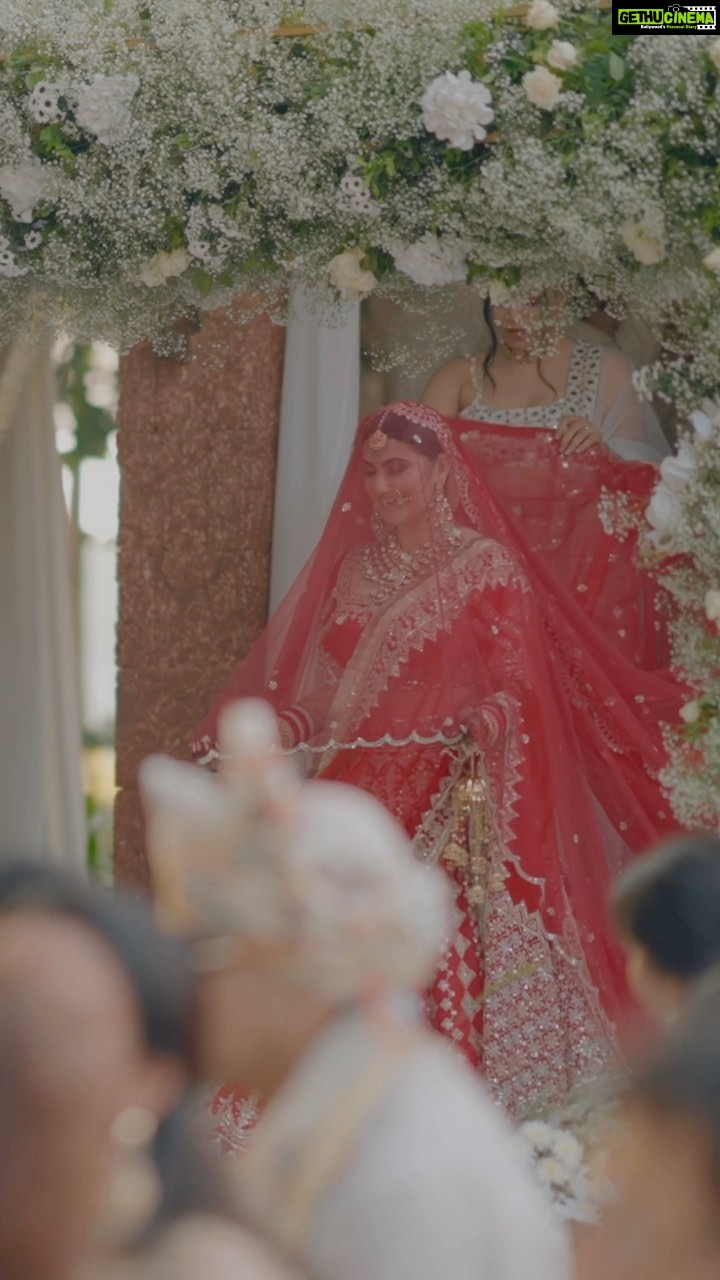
197 445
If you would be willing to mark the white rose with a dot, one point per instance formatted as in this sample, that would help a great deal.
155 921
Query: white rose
163 267
664 510
645 240
712 259
680 470
690 713
175 262
714 52
349 277
24 186
562 55
712 605
432 261
456 109
542 15
104 107
542 87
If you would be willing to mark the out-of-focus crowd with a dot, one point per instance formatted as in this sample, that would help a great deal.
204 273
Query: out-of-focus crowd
290 933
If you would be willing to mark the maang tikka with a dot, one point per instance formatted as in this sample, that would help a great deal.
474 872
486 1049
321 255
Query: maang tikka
377 440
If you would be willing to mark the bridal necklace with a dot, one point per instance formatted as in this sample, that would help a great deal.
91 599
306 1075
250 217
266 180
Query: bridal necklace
389 569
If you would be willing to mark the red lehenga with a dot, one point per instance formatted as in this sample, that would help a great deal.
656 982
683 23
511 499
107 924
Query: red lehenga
502 693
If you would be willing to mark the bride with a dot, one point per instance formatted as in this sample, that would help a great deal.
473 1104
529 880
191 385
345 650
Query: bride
581 389
428 655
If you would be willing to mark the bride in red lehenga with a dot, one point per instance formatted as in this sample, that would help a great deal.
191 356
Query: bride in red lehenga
468 644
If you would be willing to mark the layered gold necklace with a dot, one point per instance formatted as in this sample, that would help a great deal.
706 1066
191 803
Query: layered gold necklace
388 568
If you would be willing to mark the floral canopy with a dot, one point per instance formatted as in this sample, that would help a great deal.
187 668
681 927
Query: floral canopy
157 157
163 156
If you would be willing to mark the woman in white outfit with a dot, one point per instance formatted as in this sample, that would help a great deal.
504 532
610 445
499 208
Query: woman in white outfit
581 390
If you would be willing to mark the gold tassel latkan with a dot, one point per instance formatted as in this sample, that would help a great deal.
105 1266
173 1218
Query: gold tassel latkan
471 833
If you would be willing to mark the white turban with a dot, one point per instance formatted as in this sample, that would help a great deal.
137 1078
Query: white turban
318 866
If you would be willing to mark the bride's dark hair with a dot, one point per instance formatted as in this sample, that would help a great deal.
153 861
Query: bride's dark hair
492 350
397 427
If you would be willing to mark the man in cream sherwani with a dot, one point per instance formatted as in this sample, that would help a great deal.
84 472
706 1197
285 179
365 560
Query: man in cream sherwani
378 1155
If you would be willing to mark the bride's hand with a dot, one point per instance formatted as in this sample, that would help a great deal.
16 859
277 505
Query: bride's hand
577 435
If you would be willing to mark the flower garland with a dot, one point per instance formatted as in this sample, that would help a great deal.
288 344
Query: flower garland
156 159
682 541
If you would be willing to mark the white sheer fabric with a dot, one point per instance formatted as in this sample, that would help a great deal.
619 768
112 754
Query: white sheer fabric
318 417
41 804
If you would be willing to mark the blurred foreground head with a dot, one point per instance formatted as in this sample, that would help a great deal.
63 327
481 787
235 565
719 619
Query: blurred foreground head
665 1224
307 895
94 1010
667 911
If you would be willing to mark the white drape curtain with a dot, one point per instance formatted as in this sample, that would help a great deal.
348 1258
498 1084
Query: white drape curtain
41 797
318 418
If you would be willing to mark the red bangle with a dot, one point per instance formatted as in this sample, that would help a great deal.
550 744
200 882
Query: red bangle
296 725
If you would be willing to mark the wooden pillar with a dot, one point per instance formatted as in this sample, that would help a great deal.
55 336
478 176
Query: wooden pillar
197 446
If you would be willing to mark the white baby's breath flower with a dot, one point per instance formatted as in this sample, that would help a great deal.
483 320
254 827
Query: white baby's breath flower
691 712
44 103
347 274
562 55
542 88
432 261
104 106
164 266
645 239
542 15
456 109
712 259
712 605
24 186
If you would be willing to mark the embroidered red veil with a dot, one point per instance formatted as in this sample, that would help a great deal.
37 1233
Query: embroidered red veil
530 655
